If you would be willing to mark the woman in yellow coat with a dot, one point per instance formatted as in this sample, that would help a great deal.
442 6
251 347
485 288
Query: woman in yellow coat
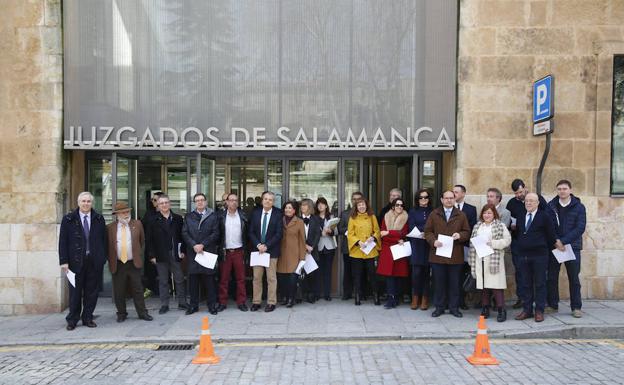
362 233
293 250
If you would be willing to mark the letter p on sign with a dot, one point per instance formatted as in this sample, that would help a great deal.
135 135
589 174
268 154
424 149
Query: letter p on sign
543 99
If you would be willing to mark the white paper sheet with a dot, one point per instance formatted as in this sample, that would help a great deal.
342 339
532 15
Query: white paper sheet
513 221
71 277
206 259
332 222
446 250
415 233
259 259
481 247
299 267
563 256
367 246
401 251
310 264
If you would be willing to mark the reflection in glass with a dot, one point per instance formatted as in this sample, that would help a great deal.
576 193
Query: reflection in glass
126 181
313 179
275 181
207 181
243 177
352 172
428 178
617 166
176 184
99 178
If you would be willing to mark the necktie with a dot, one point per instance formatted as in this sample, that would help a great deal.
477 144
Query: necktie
447 213
124 244
528 224
264 228
85 228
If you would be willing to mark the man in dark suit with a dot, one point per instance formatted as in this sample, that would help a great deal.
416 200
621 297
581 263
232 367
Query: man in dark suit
201 233
265 236
536 237
126 240
343 225
82 249
166 249
313 227
471 213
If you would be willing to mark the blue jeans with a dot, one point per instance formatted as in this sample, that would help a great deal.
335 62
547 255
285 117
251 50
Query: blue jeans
573 268
533 270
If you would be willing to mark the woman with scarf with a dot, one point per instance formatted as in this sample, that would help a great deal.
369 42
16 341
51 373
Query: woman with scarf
393 231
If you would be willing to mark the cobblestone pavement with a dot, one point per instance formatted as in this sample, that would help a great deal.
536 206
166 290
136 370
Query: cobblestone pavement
341 362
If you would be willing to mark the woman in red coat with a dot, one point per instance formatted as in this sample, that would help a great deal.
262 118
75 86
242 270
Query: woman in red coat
393 231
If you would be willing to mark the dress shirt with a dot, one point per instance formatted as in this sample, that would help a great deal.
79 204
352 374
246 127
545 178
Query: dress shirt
233 234
526 218
268 220
120 228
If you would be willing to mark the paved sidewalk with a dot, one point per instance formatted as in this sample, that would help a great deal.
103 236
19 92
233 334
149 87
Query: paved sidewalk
321 321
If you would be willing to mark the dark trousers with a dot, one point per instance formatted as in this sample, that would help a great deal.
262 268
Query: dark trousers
209 284
128 274
421 277
573 268
347 276
312 282
515 259
288 285
326 263
83 298
533 270
499 297
165 271
462 294
233 261
446 281
358 265
150 276
392 286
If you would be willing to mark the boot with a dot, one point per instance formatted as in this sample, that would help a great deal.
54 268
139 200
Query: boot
415 302
502 315
485 312
376 299
424 304
389 302
357 300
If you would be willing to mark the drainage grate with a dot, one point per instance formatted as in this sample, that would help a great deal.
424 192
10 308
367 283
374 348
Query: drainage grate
176 347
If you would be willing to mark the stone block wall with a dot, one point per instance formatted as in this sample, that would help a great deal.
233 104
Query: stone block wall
31 160
505 45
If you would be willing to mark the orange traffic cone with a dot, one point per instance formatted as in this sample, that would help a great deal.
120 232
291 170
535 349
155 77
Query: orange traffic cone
481 355
206 353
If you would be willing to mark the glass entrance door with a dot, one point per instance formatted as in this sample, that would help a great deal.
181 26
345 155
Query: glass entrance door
314 179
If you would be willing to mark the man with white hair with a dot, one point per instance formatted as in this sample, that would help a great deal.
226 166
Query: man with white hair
82 250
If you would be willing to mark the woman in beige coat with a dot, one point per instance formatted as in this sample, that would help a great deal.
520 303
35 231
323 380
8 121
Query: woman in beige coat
293 250
490 270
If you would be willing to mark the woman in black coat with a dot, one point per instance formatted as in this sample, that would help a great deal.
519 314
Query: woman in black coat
421 271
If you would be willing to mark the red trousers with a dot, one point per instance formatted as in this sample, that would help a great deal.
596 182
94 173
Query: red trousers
233 260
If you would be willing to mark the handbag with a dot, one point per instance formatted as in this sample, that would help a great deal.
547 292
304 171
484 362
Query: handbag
469 284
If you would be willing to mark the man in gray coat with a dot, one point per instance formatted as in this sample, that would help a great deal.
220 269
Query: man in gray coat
494 197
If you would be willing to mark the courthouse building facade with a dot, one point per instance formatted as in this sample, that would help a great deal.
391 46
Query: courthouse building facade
124 98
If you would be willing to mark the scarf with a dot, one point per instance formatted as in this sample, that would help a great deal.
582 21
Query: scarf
394 221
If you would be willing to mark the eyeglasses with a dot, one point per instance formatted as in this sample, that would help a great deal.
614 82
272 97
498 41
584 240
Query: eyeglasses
423 197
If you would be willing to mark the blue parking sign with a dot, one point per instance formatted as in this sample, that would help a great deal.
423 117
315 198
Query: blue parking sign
543 99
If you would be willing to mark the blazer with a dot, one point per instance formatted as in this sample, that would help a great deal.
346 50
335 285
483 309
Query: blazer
200 230
137 236
437 224
314 234
293 246
72 243
540 237
571 226
158 240
471 213
275 228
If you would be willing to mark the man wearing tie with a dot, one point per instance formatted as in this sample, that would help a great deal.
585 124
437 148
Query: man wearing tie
536 237
471 213
82 249
125 243
265 236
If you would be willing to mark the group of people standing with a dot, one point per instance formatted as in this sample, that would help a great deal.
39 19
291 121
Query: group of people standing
301 230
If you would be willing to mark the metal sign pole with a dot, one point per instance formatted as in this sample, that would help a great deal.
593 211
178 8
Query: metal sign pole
538 182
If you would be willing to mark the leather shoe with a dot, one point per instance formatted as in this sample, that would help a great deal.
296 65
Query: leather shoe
456 313
70 327
221 307
517 305
183 306
146 317
191 310
89 324
163 309
121 317
463 306
255 307
212 309
269 308
522 316
346 297
243 307
327 298
539 316
290 303
437 312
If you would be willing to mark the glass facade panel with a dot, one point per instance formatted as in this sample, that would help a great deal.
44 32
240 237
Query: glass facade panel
275 180
208 181
313 179
352 175
99 183
617 142
126 182
176 184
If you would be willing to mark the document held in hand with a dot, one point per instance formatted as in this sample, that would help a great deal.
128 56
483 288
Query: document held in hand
299 267
332 222
563 256
415 233
206 259
481 247
71 277
447 246
310 264
259 259
401 251
367 246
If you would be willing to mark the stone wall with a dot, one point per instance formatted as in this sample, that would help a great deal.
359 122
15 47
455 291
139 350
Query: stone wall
503 47
31 162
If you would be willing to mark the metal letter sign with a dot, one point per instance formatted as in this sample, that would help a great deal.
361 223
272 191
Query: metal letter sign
543 106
